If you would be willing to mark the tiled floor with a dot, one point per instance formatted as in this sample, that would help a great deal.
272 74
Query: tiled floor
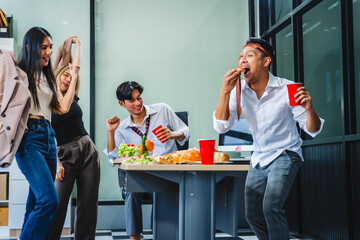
147 235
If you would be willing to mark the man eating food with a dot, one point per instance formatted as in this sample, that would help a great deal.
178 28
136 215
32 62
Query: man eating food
263 100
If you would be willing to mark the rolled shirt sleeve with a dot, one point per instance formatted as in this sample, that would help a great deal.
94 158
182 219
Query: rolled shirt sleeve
222 126
300 116
111 156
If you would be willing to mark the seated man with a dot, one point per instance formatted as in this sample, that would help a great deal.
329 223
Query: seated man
142 121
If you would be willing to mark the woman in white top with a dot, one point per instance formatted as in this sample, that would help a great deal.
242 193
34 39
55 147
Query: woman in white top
36 155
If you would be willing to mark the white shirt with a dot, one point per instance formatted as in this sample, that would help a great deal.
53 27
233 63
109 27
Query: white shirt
271 119
160 114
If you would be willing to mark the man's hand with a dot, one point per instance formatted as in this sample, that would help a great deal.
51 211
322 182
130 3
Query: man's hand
303 97
230 79
112 124
222 111
59 171
164 134
313 122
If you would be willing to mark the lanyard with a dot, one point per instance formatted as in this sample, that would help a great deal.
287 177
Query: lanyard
136 130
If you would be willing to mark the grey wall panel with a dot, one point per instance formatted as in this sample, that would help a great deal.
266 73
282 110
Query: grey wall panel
354 153
324 192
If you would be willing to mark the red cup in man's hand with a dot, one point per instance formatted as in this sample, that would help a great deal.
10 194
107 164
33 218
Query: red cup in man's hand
155 132
292 90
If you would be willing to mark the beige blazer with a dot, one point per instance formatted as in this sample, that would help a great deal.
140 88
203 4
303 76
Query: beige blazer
15 105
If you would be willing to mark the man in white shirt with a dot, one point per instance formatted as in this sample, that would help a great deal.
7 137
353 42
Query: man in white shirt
143 120
277 155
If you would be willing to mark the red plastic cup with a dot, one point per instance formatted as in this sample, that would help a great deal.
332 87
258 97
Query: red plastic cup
154 131
207 149
292 90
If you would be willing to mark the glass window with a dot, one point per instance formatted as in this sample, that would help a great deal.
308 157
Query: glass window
322 63
356 11
282 7
284 53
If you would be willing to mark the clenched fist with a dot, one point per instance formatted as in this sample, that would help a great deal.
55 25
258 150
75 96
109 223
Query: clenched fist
112 124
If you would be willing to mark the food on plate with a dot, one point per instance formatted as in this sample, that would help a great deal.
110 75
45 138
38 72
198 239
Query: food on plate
171 158
149 145
221 157
146 146
180 157
130 150
129 153
190 155
134 155
164 159
143 159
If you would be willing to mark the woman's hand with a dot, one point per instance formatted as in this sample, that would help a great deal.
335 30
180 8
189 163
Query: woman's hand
75 39
60 171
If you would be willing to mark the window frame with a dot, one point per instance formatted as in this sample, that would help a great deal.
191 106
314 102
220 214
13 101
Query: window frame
268 32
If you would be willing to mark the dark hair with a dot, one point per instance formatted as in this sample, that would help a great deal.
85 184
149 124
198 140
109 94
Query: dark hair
31 60
264 44
124 90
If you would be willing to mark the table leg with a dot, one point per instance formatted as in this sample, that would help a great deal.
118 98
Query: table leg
213 217
182 207
165 216
197 204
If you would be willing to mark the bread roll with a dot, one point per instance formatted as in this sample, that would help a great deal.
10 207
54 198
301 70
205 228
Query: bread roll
221 157
173 158
190 155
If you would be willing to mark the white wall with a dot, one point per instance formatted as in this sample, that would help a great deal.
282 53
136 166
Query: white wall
62 19
178 50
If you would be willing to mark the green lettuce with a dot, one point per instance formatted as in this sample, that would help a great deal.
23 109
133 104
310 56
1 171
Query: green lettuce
128 151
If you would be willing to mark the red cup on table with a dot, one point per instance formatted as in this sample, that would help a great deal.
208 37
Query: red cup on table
292 90
207 149
155 132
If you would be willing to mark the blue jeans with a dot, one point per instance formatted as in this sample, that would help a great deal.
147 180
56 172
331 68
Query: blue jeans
266 190
36 158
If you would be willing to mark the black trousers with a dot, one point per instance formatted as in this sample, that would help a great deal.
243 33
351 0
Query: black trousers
81 163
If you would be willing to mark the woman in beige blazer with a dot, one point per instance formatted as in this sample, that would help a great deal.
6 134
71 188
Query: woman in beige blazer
14 106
